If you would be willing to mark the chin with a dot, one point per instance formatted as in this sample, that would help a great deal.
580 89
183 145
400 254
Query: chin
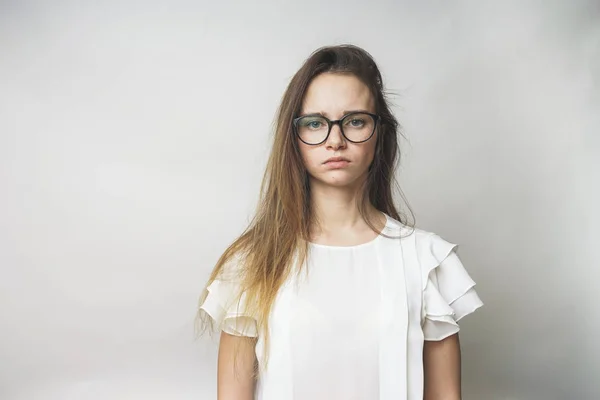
337 179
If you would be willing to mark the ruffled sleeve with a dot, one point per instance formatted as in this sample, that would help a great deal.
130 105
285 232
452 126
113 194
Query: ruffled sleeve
448 290
227 306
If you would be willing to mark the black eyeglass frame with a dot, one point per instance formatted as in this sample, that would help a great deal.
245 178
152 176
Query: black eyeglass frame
330 123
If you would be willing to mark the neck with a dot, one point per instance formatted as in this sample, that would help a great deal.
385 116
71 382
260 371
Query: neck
336 208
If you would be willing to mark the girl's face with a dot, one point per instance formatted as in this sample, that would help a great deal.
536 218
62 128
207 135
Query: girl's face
333 96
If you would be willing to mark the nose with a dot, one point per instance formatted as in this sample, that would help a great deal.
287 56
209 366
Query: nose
336 139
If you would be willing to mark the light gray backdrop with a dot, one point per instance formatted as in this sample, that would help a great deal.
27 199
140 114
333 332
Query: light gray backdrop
133 136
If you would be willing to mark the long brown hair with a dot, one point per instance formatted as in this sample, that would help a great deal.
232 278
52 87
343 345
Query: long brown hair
265 253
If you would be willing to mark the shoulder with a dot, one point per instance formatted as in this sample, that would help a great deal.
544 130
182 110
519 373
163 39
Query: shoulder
429 249
232 269
421 237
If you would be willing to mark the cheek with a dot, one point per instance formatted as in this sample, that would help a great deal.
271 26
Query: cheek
372 148
372 154
306 154
368 152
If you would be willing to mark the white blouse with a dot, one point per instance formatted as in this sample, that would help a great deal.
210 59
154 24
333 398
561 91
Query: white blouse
352 327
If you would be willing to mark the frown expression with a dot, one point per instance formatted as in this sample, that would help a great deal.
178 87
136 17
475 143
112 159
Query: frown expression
334 95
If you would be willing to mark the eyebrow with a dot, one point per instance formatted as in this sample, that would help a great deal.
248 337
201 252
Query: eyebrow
344 112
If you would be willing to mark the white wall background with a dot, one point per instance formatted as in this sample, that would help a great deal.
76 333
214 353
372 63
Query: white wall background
133 136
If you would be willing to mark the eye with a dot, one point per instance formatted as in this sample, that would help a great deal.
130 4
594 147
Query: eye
356 122
312 123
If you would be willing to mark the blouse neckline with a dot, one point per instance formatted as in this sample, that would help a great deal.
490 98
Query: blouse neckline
356 246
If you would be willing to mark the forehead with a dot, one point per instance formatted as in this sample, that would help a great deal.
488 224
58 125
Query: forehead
332 94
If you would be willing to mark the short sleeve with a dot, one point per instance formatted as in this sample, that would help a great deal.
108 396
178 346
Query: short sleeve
227 306
448 290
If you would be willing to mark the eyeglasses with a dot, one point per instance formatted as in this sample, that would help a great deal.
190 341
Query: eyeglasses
356 127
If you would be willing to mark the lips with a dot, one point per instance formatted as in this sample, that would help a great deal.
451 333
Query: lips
335 163
336 159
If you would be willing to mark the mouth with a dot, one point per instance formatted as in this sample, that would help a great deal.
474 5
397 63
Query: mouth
336 162
336 159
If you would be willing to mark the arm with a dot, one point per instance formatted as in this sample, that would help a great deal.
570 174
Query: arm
441 360
235 381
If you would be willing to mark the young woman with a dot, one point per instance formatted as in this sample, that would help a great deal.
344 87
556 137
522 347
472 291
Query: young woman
330 293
